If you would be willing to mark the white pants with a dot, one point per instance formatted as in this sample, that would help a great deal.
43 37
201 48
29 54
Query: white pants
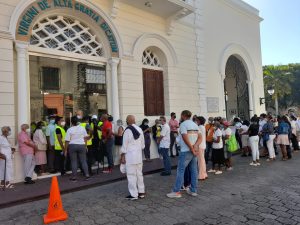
9 168
270 145
135 179
253 141
29 164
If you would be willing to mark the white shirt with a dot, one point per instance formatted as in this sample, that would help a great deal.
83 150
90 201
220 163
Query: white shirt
244 129
294 128
203 134
217 133
133 148
227 131
165 133
298 125
261 124
5 147
76 135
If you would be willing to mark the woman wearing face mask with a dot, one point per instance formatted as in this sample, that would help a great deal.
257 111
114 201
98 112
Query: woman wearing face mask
146 129
40 141
6 154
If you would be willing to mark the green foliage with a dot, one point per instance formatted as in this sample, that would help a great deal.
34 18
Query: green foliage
285 80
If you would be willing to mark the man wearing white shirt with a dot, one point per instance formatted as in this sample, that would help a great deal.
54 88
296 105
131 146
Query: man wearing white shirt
132 157
164 145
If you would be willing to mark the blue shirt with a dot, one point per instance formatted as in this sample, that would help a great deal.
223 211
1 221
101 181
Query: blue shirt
283 128
50 131
192 130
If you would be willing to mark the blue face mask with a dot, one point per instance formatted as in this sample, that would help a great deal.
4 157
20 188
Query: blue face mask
52 121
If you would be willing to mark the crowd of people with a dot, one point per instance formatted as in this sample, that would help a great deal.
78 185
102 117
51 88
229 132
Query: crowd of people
203 147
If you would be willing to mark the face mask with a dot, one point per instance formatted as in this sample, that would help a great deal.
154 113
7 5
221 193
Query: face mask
52 121
146 124
79 117
63 123
28 130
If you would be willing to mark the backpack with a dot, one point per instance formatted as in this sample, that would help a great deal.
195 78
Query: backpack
232 145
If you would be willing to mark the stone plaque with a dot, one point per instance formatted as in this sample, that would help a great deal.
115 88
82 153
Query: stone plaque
212 104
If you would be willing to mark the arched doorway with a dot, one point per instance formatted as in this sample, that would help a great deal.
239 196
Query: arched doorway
236 89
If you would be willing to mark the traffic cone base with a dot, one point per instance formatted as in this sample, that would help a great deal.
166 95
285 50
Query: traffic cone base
55 208
61 217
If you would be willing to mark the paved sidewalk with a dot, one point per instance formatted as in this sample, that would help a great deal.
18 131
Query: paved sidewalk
269 194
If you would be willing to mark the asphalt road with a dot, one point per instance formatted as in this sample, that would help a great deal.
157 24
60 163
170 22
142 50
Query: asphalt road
269 194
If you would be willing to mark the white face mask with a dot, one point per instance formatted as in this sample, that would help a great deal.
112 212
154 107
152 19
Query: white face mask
52 121
63 123
28 130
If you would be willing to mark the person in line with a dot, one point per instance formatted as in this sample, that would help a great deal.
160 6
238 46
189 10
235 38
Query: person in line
119 133
227 132
217 150
156 129
237 126
50 133
132 157
59 145
209 128
146 129
202 175
294 139
89 143
108 140
253 132
245 138
75 140
284 130
174 125
268 134
189 149
164 145
96 139
27 149
6 152
39 139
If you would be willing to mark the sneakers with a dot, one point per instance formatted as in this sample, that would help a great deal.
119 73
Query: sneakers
183 188
211 171
142 195
257 163
188 191
174 195
218 172
131 198
253 164
108 170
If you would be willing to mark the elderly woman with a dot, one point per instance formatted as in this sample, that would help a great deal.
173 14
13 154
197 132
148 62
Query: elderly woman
6 154
40 140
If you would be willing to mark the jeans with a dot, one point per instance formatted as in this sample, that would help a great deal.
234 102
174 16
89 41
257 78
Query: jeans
173 140
80 151
109 151
254 141
186 159
166 159
59 161
207 151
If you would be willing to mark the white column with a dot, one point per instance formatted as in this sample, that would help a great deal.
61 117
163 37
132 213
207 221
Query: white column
223 100
113 62
23 83
251 110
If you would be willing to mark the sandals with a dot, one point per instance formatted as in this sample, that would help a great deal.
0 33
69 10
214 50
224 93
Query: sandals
7 186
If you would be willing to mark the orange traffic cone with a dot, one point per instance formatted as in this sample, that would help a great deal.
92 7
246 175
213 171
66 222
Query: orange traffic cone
55 207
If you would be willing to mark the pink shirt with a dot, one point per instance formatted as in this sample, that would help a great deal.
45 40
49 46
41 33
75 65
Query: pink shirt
174 125
24 149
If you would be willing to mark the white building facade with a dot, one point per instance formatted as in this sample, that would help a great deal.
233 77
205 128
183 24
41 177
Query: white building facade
146 58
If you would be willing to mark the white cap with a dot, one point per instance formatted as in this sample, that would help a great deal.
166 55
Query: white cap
94 117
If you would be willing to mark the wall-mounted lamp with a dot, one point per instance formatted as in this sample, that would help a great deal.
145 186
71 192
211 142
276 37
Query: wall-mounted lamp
271 91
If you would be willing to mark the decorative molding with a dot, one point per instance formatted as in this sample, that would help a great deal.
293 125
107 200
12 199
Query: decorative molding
243 8
114 8
172 19
141 44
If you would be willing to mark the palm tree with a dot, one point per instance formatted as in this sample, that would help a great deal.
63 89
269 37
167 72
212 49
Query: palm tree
278 78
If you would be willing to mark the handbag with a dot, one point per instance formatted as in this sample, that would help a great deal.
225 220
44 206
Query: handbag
232 144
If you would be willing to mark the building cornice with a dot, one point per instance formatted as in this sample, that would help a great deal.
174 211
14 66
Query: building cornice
244 8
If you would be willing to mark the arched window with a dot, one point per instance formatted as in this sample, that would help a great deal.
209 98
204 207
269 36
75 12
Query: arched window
150 59
66 34
153 83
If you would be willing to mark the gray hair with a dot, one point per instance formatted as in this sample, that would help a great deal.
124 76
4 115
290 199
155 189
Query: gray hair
119 122
24 125
5 128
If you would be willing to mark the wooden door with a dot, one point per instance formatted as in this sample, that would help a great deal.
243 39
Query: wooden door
153 92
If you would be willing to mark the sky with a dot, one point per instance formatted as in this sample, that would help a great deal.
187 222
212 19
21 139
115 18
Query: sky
280 30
